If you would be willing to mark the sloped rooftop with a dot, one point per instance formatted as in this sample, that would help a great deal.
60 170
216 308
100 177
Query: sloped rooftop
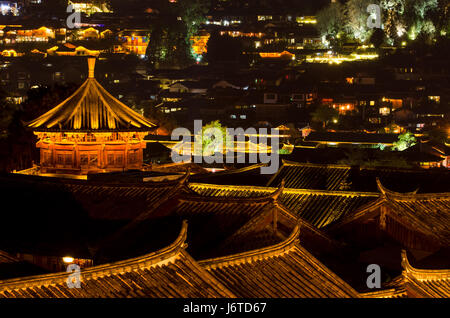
91 108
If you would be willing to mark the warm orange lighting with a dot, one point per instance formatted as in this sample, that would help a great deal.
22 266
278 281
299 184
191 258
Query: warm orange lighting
67 259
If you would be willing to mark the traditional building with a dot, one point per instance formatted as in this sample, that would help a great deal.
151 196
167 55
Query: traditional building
415 283
417 222
243 241
91 131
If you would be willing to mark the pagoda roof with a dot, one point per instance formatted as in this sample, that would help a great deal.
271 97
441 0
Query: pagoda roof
345 178
319 208
434 283
415 283
428 214
285 269
91 108
168 272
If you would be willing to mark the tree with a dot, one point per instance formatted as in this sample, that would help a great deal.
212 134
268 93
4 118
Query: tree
331 21
405 141
207 139
324 114
377 38
171 32
356 12
7 111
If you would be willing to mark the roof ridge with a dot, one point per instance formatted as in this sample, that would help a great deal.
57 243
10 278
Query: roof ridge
33 122
161 257
101 111
361 211
272 196
261 253
285 190
422 274
232 171
318 165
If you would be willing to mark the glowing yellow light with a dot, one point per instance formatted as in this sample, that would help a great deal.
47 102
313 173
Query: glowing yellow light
67 259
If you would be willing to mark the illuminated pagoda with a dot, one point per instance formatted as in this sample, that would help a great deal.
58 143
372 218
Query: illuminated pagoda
90 132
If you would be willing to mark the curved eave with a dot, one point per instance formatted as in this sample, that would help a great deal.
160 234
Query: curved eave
133 129
91 108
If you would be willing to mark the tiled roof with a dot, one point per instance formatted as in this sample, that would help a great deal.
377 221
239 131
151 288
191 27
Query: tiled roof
123 201
7 258
354 178
249 175
393 289
91 108
428 214
425 282
45 206
282 270
351 137
310 176
319 208
169 272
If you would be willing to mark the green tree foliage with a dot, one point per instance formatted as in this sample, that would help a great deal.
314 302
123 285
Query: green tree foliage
356 22
331 21
171 30
405 141
206 139
423 20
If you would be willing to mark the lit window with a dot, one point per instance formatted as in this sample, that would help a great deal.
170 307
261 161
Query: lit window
372 103
385 111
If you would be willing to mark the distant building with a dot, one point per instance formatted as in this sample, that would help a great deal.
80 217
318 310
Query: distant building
90 6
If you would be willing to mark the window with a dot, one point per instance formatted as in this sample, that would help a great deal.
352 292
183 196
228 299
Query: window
47 158
68 159
84 160
131 157
93 160
385 111
110 159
